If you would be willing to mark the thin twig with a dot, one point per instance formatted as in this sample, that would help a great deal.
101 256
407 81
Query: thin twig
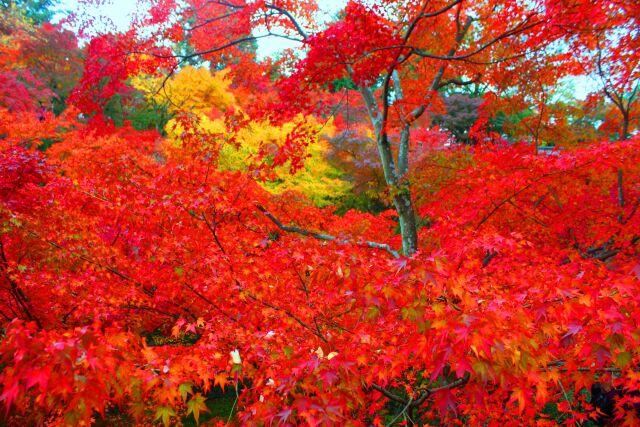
566 398
233 407
414 403
404 410
316 331
488 257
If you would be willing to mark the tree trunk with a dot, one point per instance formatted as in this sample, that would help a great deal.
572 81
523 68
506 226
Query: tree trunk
625 125
393 176
407 219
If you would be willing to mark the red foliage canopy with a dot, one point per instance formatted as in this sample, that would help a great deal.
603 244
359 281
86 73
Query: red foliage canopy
137 277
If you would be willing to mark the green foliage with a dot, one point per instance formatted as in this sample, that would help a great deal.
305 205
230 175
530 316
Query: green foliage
144 113
343 83
38 11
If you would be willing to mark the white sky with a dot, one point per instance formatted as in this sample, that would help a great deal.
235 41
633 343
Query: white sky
118 11
116 16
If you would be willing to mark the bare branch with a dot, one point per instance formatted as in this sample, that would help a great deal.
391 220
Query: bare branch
388 394
316 331
212 228
208 301
379 122
441 11
460 35
414 403
210 20
454 384
457 81
15 290
206 51
327 237
488 257
291 18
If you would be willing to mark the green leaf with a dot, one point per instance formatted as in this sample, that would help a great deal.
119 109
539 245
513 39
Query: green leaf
623 359
410 313
165 412
196 405
185 389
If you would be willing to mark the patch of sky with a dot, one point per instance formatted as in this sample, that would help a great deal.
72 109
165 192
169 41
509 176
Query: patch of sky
117 15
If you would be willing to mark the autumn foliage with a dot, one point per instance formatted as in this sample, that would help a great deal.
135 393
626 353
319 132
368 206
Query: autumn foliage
174 233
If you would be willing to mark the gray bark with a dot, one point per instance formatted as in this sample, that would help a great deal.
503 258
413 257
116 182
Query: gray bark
402 200
407 219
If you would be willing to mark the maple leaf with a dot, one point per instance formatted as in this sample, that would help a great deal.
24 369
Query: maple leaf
196 405
221 379
185 389
9 394
165 413
520 396
40 377
445 401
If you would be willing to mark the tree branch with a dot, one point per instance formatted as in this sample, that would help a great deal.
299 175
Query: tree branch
290 17
388 394
441 11
460 35
327 237
19 296
414 403
523 26
488 257
457 81
316 331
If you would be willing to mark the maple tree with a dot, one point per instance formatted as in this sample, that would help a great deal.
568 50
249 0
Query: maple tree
144 271
609 50
378 48
39 65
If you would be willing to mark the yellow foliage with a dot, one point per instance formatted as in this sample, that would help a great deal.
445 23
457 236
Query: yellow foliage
191 89
200 92
318 180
